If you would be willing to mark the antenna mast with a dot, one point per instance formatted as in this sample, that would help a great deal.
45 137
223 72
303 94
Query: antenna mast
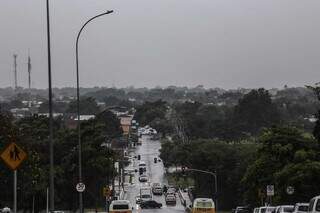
15 71
29 71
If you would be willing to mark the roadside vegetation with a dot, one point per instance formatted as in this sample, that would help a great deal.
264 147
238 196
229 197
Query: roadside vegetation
32 135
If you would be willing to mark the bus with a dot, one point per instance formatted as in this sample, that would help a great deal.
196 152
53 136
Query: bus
122 206
201 205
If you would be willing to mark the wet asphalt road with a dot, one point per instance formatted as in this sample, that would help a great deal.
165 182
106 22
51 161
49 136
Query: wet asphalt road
156 173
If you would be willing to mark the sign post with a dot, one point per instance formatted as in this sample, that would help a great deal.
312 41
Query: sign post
13 156
270 192
15 191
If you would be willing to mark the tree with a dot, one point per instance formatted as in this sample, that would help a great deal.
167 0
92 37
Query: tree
254 111
286 157
316 130
150 111
88 106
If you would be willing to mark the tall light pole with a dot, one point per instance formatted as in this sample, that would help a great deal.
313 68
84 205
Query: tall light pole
78 106
51 184
214 174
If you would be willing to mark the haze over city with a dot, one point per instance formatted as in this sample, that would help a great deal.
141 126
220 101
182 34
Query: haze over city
221 43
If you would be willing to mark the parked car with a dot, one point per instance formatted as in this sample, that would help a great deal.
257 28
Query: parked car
284 209
242 209
171 199
267 209
301 208
256 210
150 204
314 205
155 160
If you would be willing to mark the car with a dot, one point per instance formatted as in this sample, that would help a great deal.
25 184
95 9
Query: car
143 178
138 199
120 206
301 208
155 160
171 199
284 209
314 205
150 204
157 189
267 209
242 209
171 190
256 210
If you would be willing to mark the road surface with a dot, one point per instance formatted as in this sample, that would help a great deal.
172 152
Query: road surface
156 173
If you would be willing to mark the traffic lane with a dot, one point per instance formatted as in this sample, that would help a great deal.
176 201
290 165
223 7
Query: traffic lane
148 150
157 175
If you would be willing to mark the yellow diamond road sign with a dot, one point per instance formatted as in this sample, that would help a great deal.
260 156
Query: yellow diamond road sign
13 156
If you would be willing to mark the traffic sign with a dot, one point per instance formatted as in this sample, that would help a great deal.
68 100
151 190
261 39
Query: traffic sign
290 190
81 187
106 191
13 156
270 190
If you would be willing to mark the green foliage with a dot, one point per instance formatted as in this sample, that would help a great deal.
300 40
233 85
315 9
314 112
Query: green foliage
316 130
228 160
88 106
57 107
287 157
33 178
254 111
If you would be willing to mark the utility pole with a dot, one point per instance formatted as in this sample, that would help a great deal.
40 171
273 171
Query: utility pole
15 70
29 71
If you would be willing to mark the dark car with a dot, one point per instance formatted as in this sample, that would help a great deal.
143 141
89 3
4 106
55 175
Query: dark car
152 204
155 160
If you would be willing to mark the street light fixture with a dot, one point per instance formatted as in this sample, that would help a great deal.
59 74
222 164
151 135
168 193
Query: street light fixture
78 106
214 174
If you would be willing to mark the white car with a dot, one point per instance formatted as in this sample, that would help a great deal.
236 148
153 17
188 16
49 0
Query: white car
301 208
285 209
120 206
267 209
171 199
314 205
157 189
143 178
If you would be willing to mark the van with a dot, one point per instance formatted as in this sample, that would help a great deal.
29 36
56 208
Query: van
201 205
314 205
122 206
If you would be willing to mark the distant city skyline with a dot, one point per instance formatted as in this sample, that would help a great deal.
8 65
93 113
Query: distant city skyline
223 43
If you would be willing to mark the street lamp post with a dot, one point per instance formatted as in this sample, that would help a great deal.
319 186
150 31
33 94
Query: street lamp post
51 172
214 174
78 106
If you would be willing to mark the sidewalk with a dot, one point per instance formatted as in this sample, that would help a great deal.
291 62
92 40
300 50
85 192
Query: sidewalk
185 200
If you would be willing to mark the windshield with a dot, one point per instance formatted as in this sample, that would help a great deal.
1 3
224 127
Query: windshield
120 207
203 204
303 208
288 209
318 205
145 196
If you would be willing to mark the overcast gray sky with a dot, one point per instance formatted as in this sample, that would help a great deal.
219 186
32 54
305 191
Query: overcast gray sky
216 43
